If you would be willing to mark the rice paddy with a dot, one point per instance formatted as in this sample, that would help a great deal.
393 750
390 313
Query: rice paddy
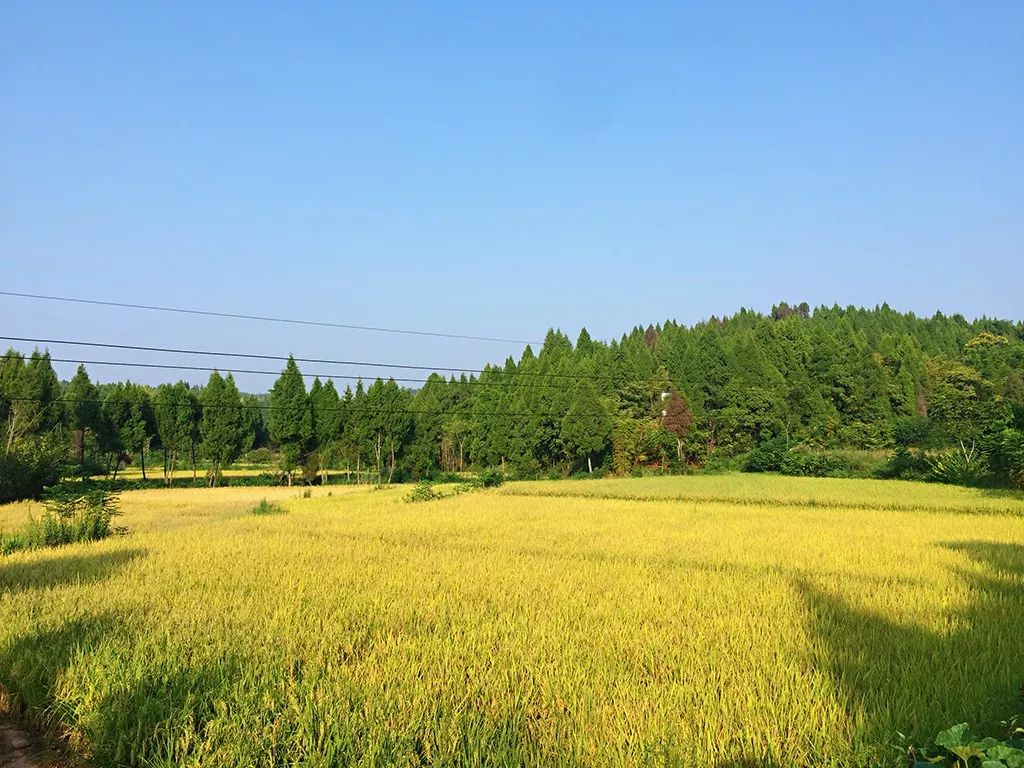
729 620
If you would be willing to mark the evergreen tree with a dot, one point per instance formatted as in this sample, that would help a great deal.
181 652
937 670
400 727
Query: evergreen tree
138 428
82 408
585 427
176 412
222 424
327 422
290 421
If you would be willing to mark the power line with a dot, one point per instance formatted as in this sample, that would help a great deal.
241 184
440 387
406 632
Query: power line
262 318
281 358
331 376
350 408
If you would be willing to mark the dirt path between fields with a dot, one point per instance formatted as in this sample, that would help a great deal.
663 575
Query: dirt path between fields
21 749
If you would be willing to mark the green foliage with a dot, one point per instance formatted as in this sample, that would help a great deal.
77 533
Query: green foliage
489 478
953 467
1005 453
585 427
32 465
767 457
804 463
956 748
906 465
267 508
423 491
222 427
828 379
176 413
73 514
775 456
290 418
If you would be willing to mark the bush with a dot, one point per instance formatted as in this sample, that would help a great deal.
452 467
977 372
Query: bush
263 456
952 467
905 465
69 516
718 462
489 478
30 467
424 491
267 508
767 457
803 464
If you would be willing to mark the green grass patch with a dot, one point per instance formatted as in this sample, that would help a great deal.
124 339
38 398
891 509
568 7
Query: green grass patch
267 508
68 517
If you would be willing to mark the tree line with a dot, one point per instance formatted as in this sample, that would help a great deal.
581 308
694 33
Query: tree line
944 394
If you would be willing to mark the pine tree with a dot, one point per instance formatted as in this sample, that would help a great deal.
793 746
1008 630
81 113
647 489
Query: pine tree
326 409
290 420
585 428
82 406
222 425
176 413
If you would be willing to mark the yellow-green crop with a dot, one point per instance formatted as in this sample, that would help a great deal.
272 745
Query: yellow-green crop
696 621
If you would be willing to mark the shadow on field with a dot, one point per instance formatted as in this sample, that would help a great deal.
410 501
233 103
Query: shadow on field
31 665
903 678
150 711
1003 493
60 570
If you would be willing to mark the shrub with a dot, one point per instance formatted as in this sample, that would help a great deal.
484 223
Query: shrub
69 516
267 508
817 464
489 478
952 467
424 491
767 457
905 465
30 467
263 456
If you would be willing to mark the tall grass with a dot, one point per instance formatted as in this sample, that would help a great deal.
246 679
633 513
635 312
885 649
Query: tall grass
499 629
69 516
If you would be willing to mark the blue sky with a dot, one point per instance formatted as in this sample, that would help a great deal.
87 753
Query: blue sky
496 169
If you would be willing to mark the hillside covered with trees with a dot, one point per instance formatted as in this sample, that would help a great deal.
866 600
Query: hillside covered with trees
941 398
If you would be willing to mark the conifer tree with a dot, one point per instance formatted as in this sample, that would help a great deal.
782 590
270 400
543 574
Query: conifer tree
82 406
327 419
585 427
222 425
290 420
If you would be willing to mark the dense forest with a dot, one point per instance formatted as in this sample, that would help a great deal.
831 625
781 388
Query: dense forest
795 391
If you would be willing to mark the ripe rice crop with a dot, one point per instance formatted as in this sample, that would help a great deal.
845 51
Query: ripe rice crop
732 620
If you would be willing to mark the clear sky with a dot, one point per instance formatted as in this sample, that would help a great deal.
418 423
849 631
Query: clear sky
499 168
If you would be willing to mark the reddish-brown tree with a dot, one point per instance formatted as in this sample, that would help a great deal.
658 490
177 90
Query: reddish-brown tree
677 419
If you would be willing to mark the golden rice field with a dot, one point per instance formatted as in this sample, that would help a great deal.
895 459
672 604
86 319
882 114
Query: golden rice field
695 621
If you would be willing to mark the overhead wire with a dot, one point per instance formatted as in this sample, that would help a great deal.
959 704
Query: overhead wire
315 360
261 318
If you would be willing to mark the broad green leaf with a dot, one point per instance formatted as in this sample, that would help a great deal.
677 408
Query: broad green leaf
1002 751
966 752
952 737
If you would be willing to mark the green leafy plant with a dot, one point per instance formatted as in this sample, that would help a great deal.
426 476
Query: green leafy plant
70 515
956 748
489 478
267 508
424 491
